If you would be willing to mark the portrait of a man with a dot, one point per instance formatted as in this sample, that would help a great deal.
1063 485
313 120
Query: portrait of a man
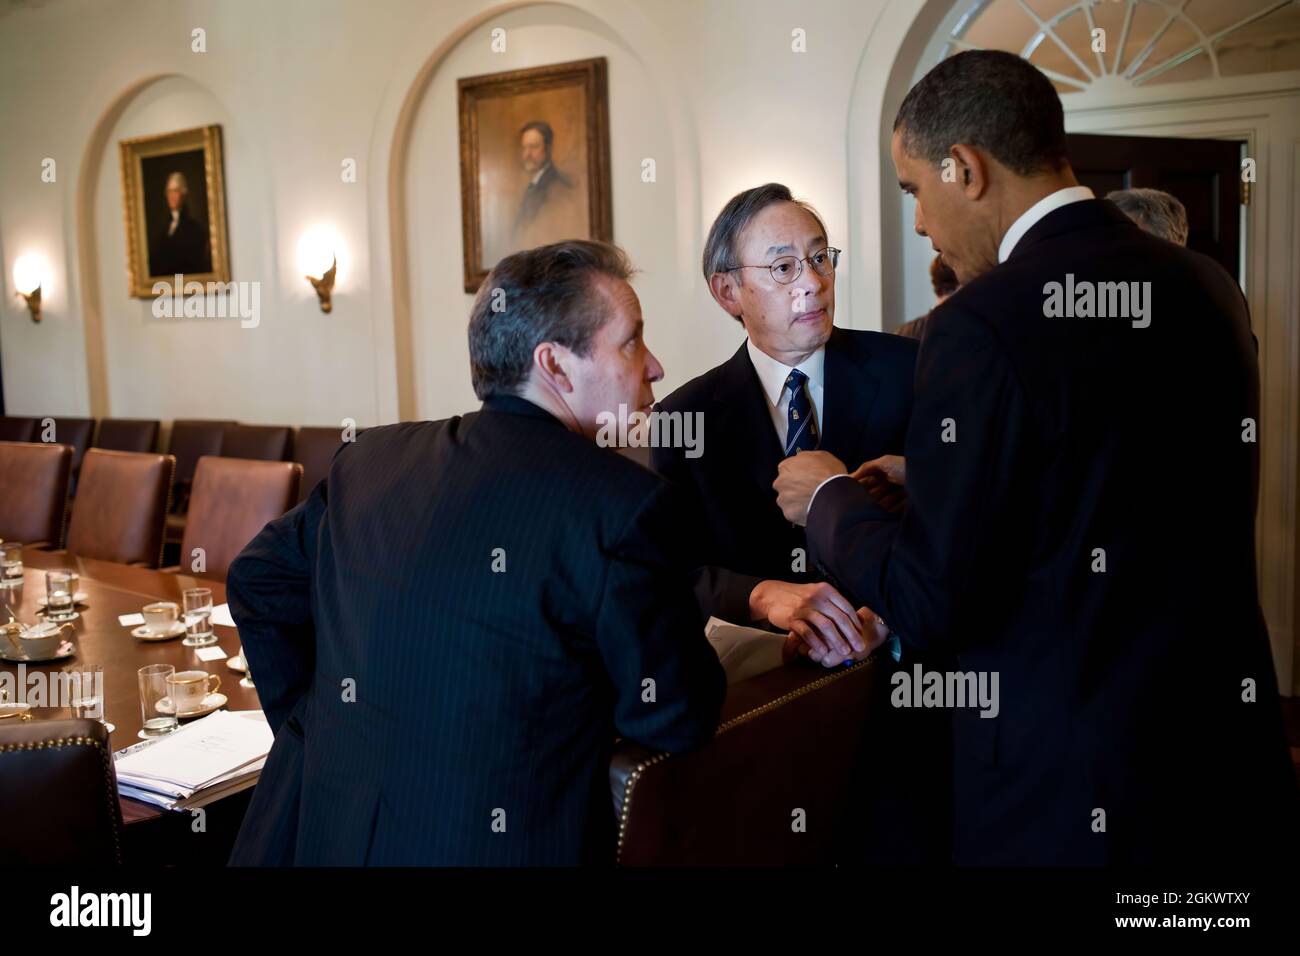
175 208
534 161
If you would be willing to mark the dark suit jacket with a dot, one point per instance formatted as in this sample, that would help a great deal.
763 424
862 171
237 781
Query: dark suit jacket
186 250
420 697
1078 441
740 535
536 195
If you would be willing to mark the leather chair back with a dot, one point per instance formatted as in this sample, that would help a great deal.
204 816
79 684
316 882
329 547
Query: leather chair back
59 803
33 491
233 500
127 434
789 740
76 432
121 506
314 449
18 429
190 441
258 442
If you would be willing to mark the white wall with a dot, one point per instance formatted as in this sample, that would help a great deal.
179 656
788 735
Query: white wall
712 91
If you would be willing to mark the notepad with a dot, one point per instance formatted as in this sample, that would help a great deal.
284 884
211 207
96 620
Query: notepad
744 651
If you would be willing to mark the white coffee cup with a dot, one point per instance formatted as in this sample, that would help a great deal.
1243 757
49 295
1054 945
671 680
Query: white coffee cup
188 688
160 617
41 640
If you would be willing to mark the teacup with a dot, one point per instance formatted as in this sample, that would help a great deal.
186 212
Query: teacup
188 688
41 640
160 617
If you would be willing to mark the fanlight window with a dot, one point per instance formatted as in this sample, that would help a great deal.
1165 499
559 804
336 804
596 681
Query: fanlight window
1087 44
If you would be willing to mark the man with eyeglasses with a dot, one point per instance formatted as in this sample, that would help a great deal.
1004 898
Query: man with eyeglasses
797 383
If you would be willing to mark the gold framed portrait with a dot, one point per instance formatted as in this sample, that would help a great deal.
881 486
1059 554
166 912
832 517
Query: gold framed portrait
174 205
534 160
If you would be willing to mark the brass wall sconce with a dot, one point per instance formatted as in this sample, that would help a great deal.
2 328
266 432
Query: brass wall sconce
324 286
33 300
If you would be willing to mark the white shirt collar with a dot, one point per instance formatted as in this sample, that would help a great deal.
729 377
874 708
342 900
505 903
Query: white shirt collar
772 374
539 174
1030 217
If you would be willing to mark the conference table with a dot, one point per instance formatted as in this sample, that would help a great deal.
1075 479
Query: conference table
100 639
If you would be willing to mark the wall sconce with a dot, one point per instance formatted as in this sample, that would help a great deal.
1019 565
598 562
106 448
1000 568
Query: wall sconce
29 277
317 248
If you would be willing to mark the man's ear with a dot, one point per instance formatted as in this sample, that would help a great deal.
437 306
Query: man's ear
972 170
549 362
723 287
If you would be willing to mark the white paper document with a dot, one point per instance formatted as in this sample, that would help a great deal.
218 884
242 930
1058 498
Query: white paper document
744 651
221 615
130 620
198 755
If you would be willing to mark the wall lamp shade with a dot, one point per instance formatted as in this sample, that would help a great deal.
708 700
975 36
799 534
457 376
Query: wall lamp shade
30 274
318 259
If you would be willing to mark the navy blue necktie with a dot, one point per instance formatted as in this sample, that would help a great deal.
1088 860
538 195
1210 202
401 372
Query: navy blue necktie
801 430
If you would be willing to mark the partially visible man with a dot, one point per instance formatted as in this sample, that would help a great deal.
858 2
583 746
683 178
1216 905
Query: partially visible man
798 383
944 283
1158 212
451 631
1057 536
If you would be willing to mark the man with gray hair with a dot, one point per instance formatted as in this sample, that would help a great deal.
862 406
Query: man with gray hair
1156 211
505 596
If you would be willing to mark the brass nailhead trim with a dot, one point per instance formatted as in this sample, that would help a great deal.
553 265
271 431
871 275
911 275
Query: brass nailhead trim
731 724
105 764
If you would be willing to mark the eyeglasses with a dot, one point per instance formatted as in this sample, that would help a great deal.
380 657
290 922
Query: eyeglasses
788 268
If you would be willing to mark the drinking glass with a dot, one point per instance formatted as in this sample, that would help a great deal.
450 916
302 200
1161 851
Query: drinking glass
61 594
11 564
198 618
153 688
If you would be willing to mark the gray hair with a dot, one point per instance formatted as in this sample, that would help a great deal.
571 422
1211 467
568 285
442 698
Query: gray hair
990 99
720 252
539 295
180 180
1156 212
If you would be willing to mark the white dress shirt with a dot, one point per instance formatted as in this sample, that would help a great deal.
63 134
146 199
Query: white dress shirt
772 375
176 221
1029 218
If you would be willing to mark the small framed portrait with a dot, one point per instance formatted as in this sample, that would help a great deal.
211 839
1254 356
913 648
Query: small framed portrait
534 161
174 203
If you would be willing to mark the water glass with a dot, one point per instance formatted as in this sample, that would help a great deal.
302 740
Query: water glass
153 688
11 564
61 594
198 618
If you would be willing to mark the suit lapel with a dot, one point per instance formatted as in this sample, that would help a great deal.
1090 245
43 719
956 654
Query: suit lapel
849 392
746 430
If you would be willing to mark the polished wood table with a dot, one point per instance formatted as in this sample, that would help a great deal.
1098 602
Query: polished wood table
113 589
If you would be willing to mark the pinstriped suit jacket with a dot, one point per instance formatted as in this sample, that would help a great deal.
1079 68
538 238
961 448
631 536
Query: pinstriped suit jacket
447 636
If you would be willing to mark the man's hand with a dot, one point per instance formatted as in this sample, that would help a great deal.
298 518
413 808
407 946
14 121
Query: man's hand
817 614
884 478
873 630
798 477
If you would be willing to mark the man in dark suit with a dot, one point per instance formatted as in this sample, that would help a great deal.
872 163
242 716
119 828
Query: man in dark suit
182 245
450 632
1081 479
797 383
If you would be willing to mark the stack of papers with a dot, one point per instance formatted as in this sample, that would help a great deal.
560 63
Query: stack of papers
210 758
744 651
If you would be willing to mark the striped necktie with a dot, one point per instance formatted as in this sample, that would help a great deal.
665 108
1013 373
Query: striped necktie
801 430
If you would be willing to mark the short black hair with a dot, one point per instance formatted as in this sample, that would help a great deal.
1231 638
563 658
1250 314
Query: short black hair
542 127
990 99
538 295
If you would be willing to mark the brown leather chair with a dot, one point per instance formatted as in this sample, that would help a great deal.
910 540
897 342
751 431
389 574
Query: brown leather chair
76 432
120 508
127 434
34 476
257 442
190 441
59 803
233 500
789 740
19 429
314 449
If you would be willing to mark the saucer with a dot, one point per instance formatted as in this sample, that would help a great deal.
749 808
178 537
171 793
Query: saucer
78 598
143 633
237 664
210 703
61 653
62 620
